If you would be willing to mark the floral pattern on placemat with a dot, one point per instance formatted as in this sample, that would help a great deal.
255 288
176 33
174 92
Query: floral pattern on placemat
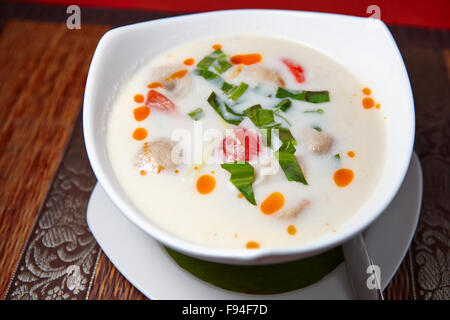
431 245
425 52
60 256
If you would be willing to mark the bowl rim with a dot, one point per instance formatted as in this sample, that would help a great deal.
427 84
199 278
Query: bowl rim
234 255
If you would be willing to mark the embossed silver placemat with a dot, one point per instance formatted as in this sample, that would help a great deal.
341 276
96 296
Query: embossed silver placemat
59 258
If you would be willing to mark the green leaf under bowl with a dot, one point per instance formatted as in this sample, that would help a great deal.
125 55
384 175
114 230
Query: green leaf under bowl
267 279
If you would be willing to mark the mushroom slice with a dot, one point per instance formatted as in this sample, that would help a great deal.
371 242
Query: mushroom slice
293 212
155 156
315 141
176 80
263 74
180 87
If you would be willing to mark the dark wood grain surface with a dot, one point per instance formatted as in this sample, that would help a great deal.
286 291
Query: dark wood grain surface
43 68
43 72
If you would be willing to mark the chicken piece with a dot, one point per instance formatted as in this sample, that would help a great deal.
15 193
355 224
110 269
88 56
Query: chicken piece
173 84
315 141
236 71
263 74
293 212
179 88
155 156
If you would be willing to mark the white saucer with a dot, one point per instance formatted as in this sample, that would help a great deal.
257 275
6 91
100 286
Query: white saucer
145 263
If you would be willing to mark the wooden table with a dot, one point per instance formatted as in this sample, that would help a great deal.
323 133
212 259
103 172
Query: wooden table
46 249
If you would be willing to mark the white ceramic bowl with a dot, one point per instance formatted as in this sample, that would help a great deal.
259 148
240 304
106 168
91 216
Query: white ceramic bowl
364 46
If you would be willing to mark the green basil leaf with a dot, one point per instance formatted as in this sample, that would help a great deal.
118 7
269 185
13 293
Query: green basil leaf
196 114
286 159
296 95
207 61
320 111
285 136
309 96
226 87
288 147
220 108
206 74
230 110
317 96
242 178
215 79
290 166
222 65
234 92
217 54
283 105
259 116
238 91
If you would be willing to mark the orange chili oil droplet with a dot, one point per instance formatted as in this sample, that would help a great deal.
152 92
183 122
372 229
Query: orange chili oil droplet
252 245
140 134
139 98
189 61
351 154
176 171
143 172
378 106
206 184
368 103
240 195
155 85
291 230
177 75
141 113
217 46
246 59
366 91
272 203
343 177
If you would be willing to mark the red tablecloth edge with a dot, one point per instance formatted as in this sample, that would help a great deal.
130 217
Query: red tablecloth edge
419 13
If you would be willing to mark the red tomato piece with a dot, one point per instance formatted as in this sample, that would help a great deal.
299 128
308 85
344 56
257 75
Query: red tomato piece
243 146
158 101
296 70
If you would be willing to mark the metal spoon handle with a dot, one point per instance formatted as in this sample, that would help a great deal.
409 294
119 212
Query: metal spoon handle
361 271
